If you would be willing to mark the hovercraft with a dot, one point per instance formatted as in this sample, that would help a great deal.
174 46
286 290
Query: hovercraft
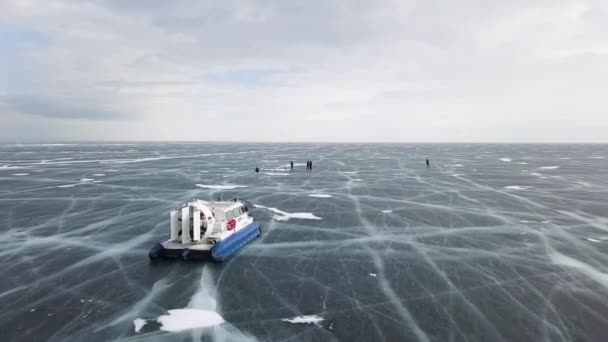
203 230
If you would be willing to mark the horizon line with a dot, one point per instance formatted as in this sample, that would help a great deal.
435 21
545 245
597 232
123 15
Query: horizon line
291 142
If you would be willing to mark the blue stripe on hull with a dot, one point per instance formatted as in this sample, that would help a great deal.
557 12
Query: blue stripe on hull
230 246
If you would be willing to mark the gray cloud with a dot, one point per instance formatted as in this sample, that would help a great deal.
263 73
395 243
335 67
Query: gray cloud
493 69
65 108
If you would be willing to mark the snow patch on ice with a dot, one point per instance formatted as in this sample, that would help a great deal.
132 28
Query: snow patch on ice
373 275
136 160
187 319
99 174
387 211
285 216
549 167
582 267
309 319
139 323
86 179
66 186
10 167
351 172
505 159
276 173
517 187
21 174
320 195
593 240
220 187
522 163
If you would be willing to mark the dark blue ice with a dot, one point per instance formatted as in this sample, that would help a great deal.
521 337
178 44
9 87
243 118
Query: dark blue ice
491 243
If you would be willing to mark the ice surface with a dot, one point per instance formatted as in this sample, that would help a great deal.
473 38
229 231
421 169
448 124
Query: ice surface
457 258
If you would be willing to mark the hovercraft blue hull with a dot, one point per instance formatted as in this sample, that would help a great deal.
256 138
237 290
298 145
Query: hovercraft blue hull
220 252
227 248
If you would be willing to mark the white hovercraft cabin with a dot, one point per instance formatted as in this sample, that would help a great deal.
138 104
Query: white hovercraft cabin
202 230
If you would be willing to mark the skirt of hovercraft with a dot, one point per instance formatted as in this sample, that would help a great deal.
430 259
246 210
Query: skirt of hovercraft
220 252
159 252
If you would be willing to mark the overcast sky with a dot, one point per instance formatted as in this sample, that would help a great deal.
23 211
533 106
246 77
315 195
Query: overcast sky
315 70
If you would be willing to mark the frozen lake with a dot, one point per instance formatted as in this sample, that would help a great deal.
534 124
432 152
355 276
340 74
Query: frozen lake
491 243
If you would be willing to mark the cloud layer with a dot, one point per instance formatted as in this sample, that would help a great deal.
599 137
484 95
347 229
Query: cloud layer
361 70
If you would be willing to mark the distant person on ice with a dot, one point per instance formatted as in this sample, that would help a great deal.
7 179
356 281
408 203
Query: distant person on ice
428 163
257 170
292 164
311 165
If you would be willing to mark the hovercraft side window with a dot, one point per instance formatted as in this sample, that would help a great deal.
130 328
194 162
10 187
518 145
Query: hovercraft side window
229 215
236 212
219 215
